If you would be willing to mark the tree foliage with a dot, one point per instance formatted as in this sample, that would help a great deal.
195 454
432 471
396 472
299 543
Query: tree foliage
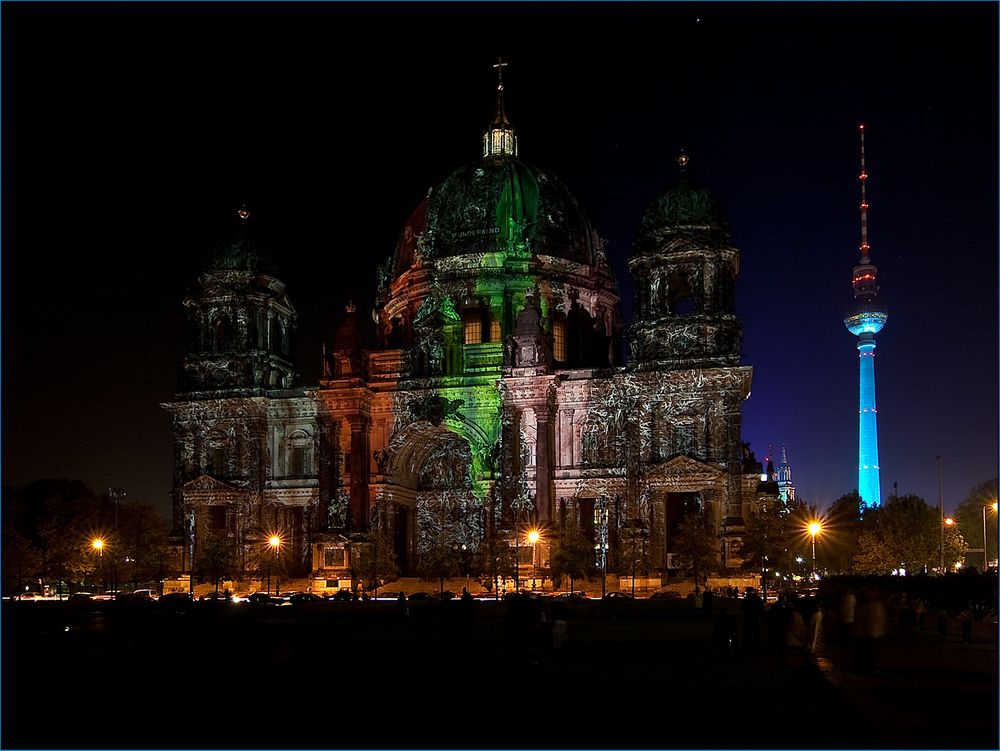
216 557
903 533
439 562
377 558
969 519
765 543
632 555
842 528
697 546
573 556
494 558
143 548
57 519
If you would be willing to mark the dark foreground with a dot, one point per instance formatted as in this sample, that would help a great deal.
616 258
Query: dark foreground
361 675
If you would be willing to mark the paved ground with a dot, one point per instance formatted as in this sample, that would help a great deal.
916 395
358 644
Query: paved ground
943 690
353 675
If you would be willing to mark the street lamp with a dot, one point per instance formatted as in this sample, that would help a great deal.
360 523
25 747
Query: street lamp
97 544
986 562
941 510
814 529
947 522
275 543
533 539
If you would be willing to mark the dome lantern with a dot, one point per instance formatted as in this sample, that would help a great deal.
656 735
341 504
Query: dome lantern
499 139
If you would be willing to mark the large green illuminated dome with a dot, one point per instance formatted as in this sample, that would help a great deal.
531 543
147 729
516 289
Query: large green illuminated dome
501 204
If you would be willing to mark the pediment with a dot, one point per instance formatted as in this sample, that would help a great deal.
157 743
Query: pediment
685 465
209 484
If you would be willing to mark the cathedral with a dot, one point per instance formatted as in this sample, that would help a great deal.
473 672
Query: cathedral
496 400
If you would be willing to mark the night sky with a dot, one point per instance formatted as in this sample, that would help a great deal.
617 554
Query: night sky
129 130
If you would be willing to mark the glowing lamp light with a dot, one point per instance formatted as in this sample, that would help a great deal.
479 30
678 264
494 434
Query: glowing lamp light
949 521
533 536
274 542
97 544
815 528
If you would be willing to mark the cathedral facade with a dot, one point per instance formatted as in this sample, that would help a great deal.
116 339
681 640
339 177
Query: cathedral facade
496 399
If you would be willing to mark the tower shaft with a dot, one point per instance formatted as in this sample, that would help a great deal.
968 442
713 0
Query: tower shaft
868 472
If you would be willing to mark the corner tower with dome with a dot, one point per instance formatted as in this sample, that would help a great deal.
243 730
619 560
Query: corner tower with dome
496 400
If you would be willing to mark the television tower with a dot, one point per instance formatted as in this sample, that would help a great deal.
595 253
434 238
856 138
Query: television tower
865 317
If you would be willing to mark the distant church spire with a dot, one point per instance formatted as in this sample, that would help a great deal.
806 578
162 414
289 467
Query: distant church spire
499 139
786 490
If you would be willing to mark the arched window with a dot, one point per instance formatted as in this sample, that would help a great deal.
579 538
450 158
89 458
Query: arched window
559 340
681 296
473 327
222 333
274 339
298 453
217 456
683 436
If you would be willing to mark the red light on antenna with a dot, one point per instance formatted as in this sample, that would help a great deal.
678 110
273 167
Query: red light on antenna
862 126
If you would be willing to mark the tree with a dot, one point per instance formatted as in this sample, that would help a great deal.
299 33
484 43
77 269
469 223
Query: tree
955 547
764 547
377 560
64 516
441 561
494 558
633 549
904 533
573 556
142 536
267 562
216 557
21 561
697 546
969 519
841 531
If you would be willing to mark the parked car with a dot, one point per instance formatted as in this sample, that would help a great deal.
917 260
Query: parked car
618 596
666 594
146 594
177 602
422 597
574 595
299 598
80 597
262 598
343 595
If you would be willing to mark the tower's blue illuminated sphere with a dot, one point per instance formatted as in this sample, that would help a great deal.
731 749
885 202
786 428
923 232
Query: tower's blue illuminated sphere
866 315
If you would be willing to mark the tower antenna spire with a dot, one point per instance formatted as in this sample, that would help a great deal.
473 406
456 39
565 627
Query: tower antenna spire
864 201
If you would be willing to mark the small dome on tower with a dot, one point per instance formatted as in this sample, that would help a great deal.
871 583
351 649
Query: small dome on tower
236 247
684 207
